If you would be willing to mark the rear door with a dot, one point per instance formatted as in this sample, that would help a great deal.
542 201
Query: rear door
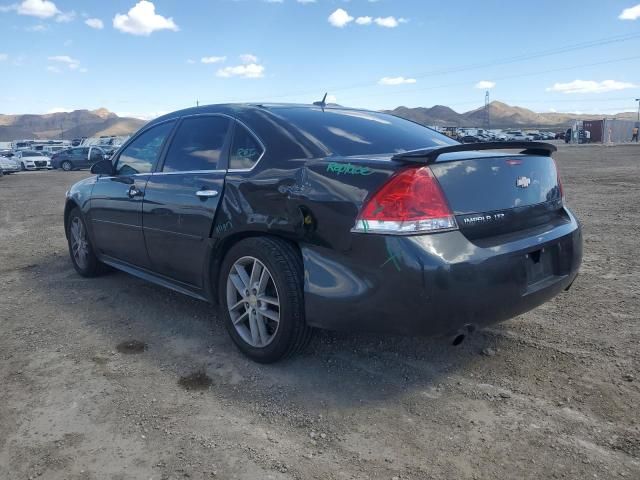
182 196
116 201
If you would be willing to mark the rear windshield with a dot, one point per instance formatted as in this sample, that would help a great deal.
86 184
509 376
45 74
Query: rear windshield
353 132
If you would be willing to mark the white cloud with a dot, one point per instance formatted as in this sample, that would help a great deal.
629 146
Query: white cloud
248 58
66 17
388 22
250 70
3 57
37 8
331 99
590 86
631 13
364 20
66 60
340 18
485 85
95 23
306 1
142 19
191 61
37 28
59 110
41 9
213 59
396 81
274 1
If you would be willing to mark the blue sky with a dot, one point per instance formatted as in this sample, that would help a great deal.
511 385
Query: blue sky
144 58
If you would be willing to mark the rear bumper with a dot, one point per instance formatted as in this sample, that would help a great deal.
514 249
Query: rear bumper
436 284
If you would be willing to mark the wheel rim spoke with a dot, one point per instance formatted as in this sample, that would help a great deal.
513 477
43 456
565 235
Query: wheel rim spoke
255 334
256 273
242 273
238 304
240 318
262 329
237 283
271 315
264 280
270 300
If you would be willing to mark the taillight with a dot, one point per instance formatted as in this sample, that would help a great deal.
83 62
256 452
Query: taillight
410 202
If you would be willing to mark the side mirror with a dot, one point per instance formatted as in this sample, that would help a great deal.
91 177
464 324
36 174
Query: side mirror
103 167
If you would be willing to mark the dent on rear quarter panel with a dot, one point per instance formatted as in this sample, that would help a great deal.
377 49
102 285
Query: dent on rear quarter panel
311 204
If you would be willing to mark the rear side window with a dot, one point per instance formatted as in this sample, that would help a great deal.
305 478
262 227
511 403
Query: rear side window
141 155
354 132
197 144
245 149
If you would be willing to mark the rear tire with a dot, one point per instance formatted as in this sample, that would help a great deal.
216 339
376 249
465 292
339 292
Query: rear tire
81 251
266 268
66 166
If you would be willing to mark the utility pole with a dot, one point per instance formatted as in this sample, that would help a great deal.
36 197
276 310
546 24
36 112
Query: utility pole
487 114
197 103
638 100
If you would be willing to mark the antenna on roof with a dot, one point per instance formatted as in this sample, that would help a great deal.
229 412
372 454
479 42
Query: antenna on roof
322 103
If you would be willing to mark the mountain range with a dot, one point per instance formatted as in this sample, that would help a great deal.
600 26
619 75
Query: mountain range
501 116
68 125
94 123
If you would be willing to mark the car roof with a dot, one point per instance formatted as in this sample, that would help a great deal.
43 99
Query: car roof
239 108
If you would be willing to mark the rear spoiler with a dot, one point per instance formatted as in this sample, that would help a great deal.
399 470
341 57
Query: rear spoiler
428 156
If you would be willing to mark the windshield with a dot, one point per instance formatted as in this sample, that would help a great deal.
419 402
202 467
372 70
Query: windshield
31 153
355 132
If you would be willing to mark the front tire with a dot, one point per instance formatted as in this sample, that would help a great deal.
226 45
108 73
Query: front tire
81 251
261 297
66 166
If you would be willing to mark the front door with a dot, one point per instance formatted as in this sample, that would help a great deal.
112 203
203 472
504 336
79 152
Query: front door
116 201
181 198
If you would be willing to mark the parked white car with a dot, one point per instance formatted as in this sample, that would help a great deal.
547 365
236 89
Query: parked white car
517 136
8 165
32 160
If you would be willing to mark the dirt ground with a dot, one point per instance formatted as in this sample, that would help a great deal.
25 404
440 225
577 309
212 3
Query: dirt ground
114 378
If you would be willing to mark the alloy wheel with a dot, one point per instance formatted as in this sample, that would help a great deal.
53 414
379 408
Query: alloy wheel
253 301
79 243
66 166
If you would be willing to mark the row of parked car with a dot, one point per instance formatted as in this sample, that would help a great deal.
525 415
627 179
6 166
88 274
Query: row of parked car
68 159
510 135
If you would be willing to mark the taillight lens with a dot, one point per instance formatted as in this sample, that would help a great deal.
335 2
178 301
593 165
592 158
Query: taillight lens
410 202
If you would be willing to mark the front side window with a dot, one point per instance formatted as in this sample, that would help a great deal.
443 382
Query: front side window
141 155
96 154
245 149
197 144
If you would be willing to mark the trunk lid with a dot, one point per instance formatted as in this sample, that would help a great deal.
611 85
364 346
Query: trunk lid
491 193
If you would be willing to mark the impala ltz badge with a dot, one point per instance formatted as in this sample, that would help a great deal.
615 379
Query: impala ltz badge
523 182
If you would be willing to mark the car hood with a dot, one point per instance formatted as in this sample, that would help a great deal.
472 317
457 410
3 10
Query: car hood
35 158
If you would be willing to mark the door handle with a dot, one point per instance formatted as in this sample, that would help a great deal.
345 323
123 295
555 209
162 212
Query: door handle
206 193
134 192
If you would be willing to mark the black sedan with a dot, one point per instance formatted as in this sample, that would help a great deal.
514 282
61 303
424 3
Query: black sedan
292 217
